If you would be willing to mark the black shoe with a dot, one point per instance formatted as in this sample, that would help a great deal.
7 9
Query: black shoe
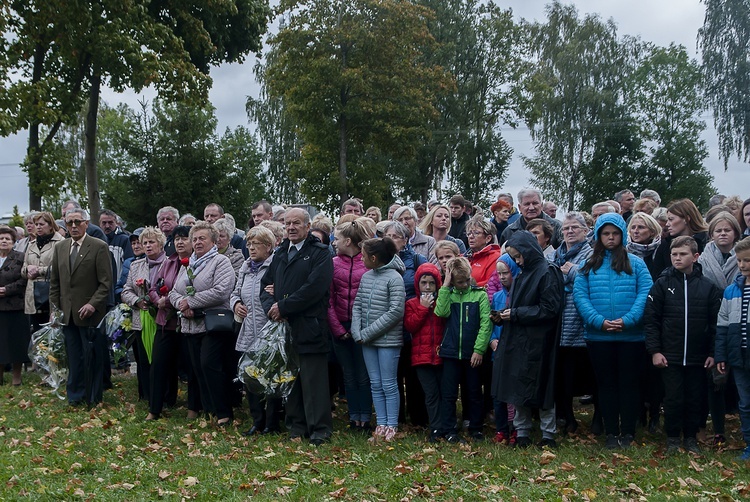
477 436
653 425
612 443
523 442
547 442
251 431
691 445
455 438
626 440
434 437
319 441
270 430
587 399
673 445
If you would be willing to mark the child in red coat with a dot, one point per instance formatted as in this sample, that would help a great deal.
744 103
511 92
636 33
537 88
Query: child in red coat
427 334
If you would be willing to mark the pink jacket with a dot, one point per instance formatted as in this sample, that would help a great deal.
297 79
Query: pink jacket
347 272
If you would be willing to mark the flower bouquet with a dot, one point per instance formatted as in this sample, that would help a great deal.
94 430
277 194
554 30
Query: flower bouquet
47 352
270 366
118 325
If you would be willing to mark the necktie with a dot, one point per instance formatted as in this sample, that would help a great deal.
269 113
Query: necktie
73 255
292 252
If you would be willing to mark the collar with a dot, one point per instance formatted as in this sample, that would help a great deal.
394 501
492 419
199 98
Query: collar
79 241
298 245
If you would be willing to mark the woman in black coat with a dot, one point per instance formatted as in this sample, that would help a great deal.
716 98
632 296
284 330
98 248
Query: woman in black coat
14 326
524 369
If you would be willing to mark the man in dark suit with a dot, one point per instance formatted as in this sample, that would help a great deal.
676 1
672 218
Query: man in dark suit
80 283
301 273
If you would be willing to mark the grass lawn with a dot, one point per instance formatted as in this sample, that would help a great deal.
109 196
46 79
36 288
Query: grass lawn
49 451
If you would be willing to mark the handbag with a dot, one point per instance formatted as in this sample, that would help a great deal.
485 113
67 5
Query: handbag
219 320
41 293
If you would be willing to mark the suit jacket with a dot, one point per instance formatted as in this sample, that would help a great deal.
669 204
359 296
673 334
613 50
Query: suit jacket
90 280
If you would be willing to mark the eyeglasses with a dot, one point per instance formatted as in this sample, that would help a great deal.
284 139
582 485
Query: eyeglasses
74 223
475 234
572 229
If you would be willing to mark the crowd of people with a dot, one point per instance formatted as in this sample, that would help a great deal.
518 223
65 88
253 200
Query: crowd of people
638 307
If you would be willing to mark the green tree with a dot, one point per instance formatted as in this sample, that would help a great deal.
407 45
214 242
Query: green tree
724 40
353 80
666 94
575 89
16 220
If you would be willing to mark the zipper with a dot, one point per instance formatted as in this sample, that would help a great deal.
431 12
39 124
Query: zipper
461 325
684 350
349 305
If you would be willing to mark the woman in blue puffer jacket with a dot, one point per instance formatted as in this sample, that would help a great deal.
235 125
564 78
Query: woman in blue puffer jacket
610 293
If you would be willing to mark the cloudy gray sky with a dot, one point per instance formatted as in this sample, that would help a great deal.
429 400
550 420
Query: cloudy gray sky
661 22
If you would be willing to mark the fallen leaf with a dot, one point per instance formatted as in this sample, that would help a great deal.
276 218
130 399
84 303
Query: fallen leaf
190 481
547 457
337 494
565 466
695 466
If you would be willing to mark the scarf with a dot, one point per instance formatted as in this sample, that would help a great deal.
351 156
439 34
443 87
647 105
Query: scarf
197 264
721 273
154 266
643 250
42 240
562 255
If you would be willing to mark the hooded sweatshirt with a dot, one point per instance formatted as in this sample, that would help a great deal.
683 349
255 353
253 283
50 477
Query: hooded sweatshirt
500 300
604 294
378 312
426 328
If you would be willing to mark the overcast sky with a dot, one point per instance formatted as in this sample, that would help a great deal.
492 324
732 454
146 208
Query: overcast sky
661 22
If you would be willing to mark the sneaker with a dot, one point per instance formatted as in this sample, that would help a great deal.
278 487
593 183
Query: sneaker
691 445
523 441
455 439
465 424
500 438
719 440
377 434
390 433
513 439
745 455
547 443
612 443
477 436
673 445
626 440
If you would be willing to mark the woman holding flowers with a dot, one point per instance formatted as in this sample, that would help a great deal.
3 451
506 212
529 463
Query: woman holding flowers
36 265
166 348
136 294
206 283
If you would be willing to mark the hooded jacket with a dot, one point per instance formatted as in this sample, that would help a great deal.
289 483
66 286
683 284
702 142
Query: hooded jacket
524 369
468 327
347 273
378 313
483 263
662 259
572 324
501 297
426 328
604 294
680 317
728 328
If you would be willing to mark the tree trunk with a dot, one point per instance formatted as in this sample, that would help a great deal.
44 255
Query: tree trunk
33 153
89 158
342 160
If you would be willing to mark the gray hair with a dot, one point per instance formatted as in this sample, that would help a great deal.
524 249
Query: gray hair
168 209
529 191
184 217
78 210
398 212
29 216
231 220
224 225
398 227
716 200
651 194
578 217
619 195
610 209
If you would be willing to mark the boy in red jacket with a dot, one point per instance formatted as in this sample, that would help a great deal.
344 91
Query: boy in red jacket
427 334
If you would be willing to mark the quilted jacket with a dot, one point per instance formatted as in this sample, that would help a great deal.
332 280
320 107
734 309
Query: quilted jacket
378 314
728 330
426 328
347 273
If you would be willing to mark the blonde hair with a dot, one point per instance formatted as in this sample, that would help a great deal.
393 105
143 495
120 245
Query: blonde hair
426 225
451 246
647 220
262 234
152 233
459 267
356 230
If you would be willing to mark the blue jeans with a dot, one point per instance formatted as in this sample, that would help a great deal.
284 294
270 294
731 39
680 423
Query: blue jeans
742 380
382 366
356 379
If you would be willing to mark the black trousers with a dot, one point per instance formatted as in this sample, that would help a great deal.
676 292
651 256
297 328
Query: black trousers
308 408
163 371
617 366
143 368
87 354
207 355
459 372
574 377
685 393
264 410
410 393
431 376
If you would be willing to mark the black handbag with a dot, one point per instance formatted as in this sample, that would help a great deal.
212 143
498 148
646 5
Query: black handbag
219 320
41 294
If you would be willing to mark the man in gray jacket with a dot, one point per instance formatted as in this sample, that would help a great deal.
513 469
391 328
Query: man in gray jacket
530 206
